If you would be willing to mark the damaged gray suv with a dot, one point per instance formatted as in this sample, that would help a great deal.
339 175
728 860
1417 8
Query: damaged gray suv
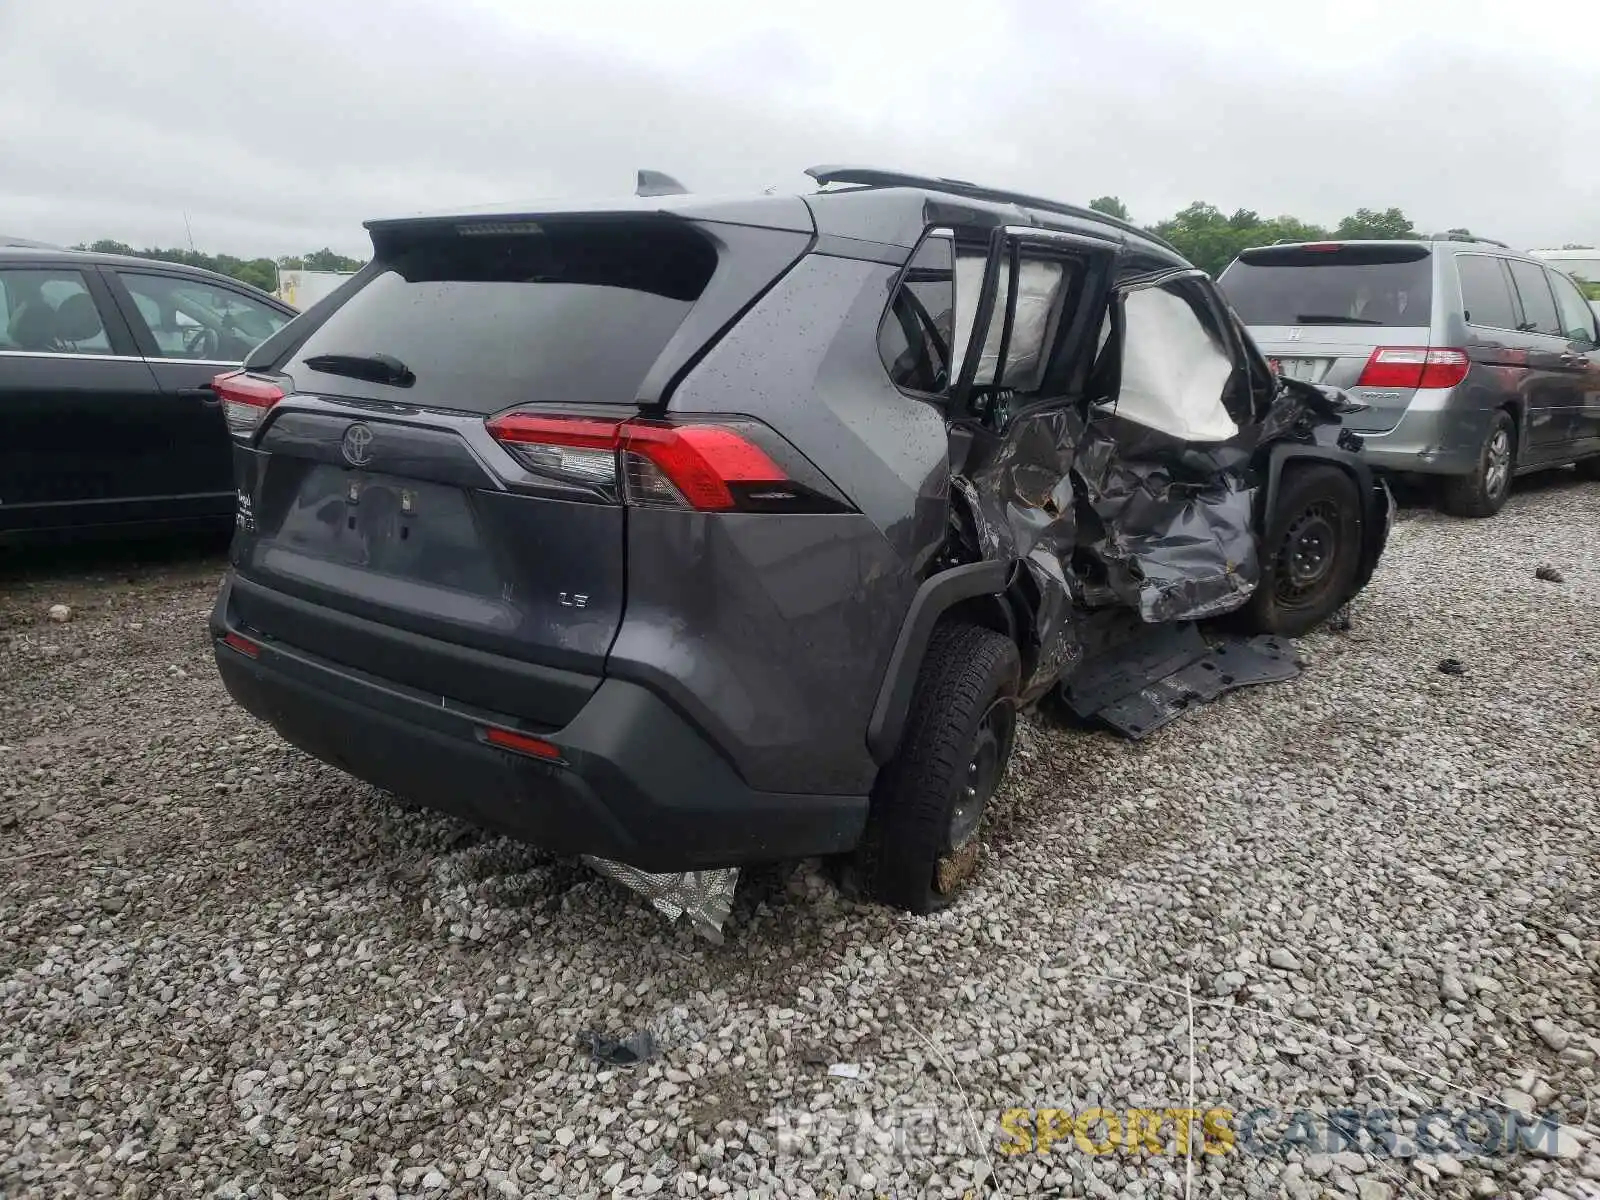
686 533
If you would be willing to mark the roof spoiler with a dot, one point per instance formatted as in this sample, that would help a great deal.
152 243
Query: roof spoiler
658 183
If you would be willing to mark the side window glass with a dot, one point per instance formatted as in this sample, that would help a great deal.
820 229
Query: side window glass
1485 292
190 318
1538 305
50 311
914 337
1176 368
1577 319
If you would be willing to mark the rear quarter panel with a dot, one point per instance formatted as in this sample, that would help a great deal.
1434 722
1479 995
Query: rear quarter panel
772 631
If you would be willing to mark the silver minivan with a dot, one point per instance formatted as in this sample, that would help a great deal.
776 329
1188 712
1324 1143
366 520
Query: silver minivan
1475 363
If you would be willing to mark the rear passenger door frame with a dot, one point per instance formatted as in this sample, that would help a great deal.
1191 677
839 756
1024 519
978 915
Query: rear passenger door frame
1550 395
201 467
1582 364
1008 245
1500 350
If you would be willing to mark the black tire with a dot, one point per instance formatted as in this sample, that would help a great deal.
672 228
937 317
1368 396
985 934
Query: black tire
1589 468
1310 555
921 842
1484 492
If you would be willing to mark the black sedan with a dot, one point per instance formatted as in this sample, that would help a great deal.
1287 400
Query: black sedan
107 419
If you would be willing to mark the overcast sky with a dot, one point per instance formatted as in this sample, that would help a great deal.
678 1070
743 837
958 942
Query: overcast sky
279 125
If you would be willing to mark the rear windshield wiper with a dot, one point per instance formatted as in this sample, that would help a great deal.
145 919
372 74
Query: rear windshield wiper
1332 319
374 368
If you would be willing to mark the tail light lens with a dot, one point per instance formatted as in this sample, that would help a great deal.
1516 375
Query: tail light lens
722 466
245 400
1414 367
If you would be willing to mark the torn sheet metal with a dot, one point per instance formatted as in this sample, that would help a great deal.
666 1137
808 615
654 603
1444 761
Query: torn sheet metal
1151 682
1020 494
1170 528
705 897
1176 537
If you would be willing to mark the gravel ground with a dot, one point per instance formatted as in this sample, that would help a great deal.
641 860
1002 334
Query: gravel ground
228 970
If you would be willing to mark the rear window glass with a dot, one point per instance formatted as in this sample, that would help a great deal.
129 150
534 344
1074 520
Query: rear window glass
914 335
573 313
1357 286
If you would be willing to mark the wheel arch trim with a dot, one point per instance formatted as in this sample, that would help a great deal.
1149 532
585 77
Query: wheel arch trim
934 598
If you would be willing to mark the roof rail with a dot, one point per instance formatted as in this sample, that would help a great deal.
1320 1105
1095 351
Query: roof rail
878 177
1465 237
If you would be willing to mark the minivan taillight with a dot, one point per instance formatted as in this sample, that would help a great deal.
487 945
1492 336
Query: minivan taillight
711 466
1414 367
245 400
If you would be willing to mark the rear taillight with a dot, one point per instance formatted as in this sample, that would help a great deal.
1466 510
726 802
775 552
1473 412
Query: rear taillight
245 400
1414 367
720 466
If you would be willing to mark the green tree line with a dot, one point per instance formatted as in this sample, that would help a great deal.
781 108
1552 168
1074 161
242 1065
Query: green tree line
1210 238
258 272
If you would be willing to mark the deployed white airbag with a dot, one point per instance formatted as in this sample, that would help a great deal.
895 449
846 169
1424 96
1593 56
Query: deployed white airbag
1174 370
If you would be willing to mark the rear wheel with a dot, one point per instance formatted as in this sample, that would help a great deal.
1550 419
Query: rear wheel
1310 554
921 843
1483 492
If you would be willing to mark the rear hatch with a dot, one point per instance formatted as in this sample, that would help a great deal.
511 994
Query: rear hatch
389 523
1321 311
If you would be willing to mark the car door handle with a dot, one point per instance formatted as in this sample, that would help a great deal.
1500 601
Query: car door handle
206 394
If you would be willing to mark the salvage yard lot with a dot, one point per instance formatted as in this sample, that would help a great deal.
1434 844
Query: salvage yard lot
228 969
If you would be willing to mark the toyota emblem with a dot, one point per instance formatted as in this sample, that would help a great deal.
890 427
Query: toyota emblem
357 445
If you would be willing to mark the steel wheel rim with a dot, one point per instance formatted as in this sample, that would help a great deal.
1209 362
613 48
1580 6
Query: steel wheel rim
1497 468
985 767
1307 554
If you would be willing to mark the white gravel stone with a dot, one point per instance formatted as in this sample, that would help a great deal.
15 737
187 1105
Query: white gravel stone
1552 1035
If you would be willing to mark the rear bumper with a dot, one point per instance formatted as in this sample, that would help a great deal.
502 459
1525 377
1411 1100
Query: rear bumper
636 781
1429 441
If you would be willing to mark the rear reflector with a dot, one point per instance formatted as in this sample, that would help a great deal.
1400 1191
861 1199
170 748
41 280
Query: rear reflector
711 468
245 400
1414 367
242 644
522 743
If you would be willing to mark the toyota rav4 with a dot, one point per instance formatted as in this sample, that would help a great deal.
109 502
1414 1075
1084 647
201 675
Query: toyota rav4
689 533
